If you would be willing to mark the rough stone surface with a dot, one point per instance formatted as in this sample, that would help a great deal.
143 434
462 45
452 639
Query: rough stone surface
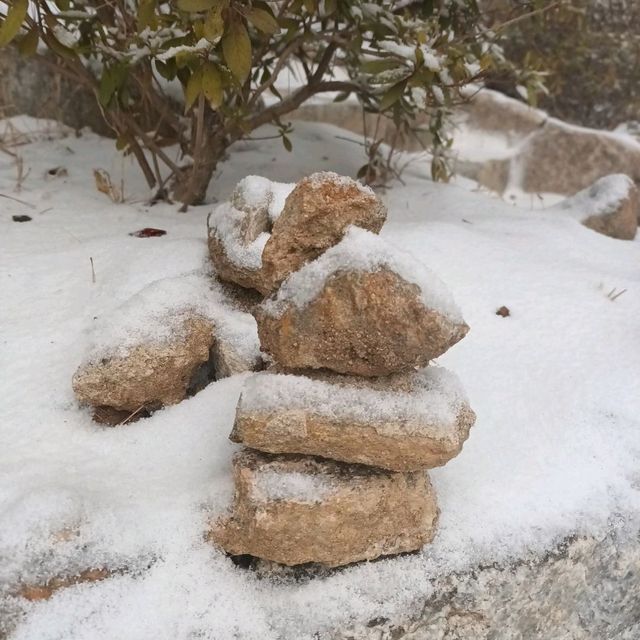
611 206
315 217
563 159
587 588
151 375
228 361
362 323
393 428
296 510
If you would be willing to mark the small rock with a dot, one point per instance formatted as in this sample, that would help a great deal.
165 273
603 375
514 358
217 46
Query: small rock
610 206
403 422
21 218
295 510
44 591
503 311
150 375
361 308
315 217
238 230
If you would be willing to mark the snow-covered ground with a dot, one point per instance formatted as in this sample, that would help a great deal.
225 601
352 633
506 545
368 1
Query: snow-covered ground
556 387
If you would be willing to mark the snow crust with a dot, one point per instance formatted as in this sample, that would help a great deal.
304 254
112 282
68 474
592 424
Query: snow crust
361 251
602 197
255 193
554 452
321 177
429 408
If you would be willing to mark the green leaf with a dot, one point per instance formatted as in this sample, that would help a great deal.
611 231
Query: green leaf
212 85
378 66
147 14
330 7
310 5
193 6
341 97
28 44
193 89
287 143
392 95
13 21
236 47
112 79
214 24
263 20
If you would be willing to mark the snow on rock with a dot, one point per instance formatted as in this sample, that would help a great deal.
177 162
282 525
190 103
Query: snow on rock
361 251
404 422
240 228
315 217
611 206
295 510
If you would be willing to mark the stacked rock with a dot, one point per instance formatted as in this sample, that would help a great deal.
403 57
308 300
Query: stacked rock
340 429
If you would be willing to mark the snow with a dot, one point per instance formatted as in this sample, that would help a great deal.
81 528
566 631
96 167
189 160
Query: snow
602 197
555 386
251 195
156 314
430 407
361 251
344 182
295 486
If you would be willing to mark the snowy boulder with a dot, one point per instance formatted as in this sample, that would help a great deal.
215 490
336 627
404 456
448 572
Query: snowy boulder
362 308
610 206
315 217
169 339
149 376
296 510
404 422
239 229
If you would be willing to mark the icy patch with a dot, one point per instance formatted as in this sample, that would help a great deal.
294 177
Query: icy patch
295 486
429 408
602 197
362 251
157 313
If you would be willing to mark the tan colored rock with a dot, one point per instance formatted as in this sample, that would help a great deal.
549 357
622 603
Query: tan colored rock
315 217
44 591
403 422
561 158
149 376
239 229
297 510
610 206
350 311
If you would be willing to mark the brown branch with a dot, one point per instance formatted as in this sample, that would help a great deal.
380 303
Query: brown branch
294 100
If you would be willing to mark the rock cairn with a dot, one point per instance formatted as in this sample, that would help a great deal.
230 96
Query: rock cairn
339 430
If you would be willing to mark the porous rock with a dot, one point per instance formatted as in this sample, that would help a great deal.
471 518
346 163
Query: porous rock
403 422
150 375
350 311
298 510
315 217
610 206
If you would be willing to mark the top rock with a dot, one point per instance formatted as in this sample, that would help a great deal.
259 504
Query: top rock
315 217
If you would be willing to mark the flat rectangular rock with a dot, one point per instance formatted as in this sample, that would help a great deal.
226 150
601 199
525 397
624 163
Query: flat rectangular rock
403 422
297 510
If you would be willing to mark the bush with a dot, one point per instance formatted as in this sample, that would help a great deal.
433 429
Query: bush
589 51
401 58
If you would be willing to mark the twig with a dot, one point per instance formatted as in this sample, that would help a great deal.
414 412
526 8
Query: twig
93 271
26 204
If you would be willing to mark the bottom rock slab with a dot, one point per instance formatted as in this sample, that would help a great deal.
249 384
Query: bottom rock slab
297 510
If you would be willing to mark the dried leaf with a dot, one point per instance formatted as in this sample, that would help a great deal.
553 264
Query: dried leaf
213 25
148 232
104 185
21 218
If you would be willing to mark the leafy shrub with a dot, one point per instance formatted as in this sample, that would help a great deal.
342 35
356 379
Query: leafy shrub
401 58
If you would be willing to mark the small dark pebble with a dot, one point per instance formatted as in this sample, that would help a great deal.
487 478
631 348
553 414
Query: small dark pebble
503 311
21 218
